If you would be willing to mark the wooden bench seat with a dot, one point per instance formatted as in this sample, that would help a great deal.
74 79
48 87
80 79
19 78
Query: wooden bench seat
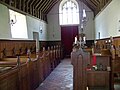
2 69
9 80
6 63
12 61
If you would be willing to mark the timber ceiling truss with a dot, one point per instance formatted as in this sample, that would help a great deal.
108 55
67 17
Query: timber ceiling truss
40 8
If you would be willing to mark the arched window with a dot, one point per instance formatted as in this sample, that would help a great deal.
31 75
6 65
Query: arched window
68 12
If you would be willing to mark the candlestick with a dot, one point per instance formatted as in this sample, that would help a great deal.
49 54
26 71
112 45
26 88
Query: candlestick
80 40
84 39
76 40
87 88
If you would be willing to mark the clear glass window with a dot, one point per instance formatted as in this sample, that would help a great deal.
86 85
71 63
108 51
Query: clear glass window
69 13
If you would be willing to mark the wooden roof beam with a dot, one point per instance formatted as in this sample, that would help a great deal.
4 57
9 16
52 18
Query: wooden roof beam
23 3
94 2
41 5
87 4
90 4
19 4
47 8
46 5
31 7
36 12
38 2
27 6
50 6
15 3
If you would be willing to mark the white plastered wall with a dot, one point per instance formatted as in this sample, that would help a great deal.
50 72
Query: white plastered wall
54 30
108 21
5 32
36 25
33 25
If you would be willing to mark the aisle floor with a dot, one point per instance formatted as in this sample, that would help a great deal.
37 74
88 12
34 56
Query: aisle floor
59 79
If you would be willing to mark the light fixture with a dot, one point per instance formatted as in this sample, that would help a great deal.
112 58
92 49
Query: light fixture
84 13
83 16
82 36
40 29
13 20
82 26
106 41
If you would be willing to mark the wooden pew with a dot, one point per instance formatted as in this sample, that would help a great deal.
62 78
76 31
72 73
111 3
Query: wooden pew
52 58
33 74
41 67
21 69
9 80
9 74
116 65
101 77
47 56
90 77
115 71
24 77
56 62
59 58
31 70
79 62
46 63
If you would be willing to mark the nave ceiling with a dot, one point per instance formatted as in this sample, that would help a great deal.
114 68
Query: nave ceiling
40 8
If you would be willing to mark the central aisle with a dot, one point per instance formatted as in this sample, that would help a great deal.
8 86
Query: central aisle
60 79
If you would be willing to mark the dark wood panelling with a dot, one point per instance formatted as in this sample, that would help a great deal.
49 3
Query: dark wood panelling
49 43
103 44
11 44
53 43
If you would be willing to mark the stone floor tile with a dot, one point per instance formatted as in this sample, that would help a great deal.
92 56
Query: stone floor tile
60 79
